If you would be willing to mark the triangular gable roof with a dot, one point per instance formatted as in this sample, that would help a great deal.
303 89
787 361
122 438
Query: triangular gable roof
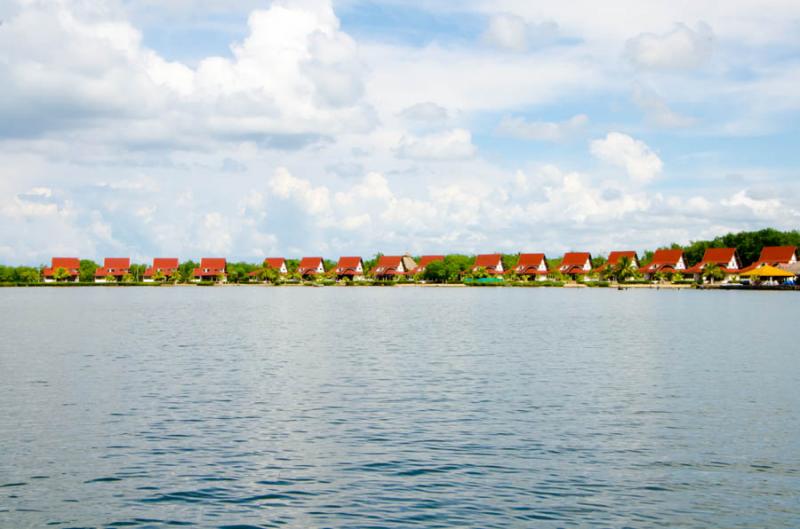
274 262
489 261
425 260
664 259
529 263
310 265
349 265
574 262
389 265
720 256
777 254
615 256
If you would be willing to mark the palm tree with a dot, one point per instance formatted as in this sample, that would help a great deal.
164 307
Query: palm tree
159 276
623 270
111 278
713 272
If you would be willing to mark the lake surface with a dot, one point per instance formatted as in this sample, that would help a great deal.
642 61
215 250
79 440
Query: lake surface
398 407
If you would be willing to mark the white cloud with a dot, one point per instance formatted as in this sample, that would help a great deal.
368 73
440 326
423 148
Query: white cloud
313 200
427 112
517 127
657 111
514 33
679 49
638 160
455 144
296 76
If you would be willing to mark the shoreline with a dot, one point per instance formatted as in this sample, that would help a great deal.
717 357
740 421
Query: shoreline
612 286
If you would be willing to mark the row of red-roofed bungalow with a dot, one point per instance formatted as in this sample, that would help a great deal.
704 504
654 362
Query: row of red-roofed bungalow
530 265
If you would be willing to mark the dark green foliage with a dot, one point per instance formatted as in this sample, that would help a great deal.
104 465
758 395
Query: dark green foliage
238 272
598 261
292 264
185 271
450 270
137 271
510 261
87 270
19 274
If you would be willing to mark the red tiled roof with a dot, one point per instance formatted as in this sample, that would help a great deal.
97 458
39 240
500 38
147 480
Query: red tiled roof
274 262
116 266
309 265
529 264
211 267
574 262
425 260
664 260
777 254
167 266
491 262
348 266
71 264
389 265
614 258
720 256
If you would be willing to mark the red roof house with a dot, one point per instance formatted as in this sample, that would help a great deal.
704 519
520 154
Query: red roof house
666 261
168 266
726 258
424 261
211 269
576 264
390 267
71 264
774 256
352 267
493 263
311 266
116 267
276 263
615 257
532 265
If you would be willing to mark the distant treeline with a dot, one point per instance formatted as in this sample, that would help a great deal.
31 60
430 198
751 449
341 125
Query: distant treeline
748 243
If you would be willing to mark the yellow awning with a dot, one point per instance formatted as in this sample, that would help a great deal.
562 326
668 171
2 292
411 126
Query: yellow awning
767 271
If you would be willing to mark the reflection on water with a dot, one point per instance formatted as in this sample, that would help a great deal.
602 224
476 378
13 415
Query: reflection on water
404 407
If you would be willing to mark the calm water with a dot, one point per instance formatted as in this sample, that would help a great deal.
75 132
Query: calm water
404 407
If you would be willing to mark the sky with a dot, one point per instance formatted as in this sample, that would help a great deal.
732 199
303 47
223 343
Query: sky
247 129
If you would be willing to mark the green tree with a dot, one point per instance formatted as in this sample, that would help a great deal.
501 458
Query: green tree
185 271
87 270
509 261
137 271
158 276
713 272
128 278
27 274
623 270
60 274
111 278
436 272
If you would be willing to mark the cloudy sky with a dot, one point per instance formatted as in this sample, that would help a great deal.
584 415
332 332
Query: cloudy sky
249 128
